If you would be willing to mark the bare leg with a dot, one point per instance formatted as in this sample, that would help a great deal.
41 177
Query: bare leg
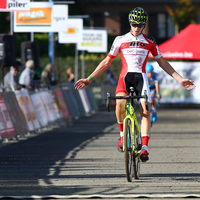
120 115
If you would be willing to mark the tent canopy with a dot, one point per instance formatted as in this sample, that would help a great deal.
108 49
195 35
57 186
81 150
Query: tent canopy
184 45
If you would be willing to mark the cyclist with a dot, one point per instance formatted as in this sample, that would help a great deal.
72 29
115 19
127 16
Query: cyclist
154 88
134 48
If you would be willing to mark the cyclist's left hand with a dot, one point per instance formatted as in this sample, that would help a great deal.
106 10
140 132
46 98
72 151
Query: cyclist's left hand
187 83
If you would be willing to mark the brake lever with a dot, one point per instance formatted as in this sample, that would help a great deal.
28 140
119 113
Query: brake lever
108 101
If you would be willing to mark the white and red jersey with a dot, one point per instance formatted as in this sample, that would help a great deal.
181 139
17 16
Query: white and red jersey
134 52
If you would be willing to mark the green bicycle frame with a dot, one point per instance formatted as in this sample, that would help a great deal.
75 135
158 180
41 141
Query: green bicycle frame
130 114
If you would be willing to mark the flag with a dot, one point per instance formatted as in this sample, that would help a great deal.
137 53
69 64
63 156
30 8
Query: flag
3 4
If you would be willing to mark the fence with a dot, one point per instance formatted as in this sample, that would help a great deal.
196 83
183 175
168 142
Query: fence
22 111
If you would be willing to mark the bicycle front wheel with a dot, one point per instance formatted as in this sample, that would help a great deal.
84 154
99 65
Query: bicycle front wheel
128 151
136 155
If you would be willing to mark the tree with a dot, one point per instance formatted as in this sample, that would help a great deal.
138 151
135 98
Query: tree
184 14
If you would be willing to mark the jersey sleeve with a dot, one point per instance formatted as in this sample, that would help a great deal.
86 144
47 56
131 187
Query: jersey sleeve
154 50
115 48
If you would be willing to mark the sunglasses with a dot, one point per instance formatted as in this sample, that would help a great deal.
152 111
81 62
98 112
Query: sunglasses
137 25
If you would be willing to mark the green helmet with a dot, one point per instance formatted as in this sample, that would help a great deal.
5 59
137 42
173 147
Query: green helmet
138 16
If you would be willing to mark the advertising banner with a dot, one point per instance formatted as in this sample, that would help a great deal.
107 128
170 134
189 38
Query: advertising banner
39 109
15 113
38 19
94 41
48 105
31 109
57 109
3 132
73 33
171 90
5 119
62 103
85 100
22 103
14 5
60 17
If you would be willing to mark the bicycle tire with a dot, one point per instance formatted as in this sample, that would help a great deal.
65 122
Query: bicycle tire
128 150
151 115
136 156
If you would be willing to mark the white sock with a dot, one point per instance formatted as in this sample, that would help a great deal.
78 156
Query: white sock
121 134
145 148
154 109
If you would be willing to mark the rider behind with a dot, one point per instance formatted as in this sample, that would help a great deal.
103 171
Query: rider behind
154 88
134 48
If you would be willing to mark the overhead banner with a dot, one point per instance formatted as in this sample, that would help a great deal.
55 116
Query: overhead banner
38 19
60 17
171 90
73 33
94 41
14 5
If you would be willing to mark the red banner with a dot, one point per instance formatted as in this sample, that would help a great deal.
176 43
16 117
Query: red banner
3 4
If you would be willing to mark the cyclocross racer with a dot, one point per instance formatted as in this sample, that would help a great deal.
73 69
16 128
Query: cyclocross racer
134 48
154 88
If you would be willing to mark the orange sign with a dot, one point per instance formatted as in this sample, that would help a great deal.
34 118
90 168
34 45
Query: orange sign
36 16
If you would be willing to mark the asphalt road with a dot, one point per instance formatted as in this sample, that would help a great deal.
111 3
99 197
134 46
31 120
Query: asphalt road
80 160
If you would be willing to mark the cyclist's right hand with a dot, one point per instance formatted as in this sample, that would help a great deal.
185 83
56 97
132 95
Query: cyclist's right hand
82 83
158 96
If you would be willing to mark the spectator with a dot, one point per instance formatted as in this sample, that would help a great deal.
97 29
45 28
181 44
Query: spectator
70 75
26 78
110 78
11 78
47 74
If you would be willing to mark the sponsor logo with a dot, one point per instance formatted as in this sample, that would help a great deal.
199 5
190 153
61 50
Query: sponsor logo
16 4
72 30
134 51
39 16
138 44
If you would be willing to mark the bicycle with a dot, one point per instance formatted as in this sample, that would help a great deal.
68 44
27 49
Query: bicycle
132 139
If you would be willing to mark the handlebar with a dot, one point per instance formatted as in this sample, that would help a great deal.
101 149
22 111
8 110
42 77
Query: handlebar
127 98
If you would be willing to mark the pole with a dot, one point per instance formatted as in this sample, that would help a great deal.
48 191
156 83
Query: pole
76 64
11 33
51 51
83 65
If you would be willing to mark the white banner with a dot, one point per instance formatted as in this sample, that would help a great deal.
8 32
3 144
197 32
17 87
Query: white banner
94 41
39 109
22 103
47 101
73 33
171 90
84 98
16 5
60 17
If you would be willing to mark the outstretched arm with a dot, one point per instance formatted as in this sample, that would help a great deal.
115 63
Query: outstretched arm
187 83
103 65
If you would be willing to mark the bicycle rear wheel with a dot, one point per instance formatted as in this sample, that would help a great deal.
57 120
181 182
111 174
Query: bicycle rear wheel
136 155
128 151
